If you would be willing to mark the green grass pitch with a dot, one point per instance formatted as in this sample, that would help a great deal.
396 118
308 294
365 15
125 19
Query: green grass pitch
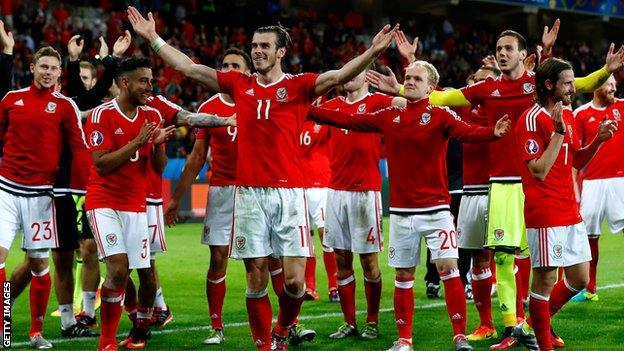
584 326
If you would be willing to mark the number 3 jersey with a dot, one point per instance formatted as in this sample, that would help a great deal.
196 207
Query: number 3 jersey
551 202
222 141
124 187
270 119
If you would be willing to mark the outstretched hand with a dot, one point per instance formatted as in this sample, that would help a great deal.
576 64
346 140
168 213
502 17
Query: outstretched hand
103 48
557 119
122 44
382 40
144 27
160 135
406 49
386 84
74 47
615 60
6 40
550 36
607 129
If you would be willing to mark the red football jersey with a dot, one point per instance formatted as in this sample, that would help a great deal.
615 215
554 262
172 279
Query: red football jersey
222 141
355 156
551 202
33 124
498 97
125 187
608 161
416 140
475 165
314 140
168 111
269 119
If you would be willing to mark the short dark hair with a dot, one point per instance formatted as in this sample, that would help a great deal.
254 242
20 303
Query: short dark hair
241 53
522 44
46 51
130 64
283 38
548 70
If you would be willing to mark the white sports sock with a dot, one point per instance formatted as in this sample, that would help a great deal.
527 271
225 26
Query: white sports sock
88 303
67 315
159 300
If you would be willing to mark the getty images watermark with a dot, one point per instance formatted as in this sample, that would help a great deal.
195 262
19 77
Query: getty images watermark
6 314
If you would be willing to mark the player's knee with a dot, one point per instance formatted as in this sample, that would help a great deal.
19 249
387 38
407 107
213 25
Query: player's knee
294 286
118 276
445 265
88 248
370 266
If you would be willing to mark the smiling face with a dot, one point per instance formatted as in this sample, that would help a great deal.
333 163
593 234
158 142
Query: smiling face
264 52
564 87
46 71
417 82
606 92
137 85
508 55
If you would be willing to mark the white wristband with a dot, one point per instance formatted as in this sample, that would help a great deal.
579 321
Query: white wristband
157 44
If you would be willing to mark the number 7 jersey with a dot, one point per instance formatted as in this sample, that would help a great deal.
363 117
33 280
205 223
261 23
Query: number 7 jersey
270 119
551 202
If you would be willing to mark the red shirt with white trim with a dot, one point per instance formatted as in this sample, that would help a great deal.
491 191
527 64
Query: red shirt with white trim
314 140
498 97
270 119
123 188
551 202
354 157
33 125
168 111
475 165
416 140
608 161
222 142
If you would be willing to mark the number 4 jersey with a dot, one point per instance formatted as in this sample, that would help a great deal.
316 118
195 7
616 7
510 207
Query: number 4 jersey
551 202
124 187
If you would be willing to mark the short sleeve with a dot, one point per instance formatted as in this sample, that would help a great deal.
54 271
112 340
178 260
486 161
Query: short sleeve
529 140
227 81
474 92
97 131
167 109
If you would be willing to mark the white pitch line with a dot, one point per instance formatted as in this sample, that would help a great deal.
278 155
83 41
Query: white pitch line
301 318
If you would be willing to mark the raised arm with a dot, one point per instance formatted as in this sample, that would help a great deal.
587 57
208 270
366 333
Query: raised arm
332 78
6 60
173 57
364 122
206 120
539 167
593 81
467 133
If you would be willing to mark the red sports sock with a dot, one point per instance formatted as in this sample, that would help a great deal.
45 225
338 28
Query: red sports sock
329 258
144 317
560 294
540 320
289 307
593 264
259 313
277 279
404 306
372 288
524 268
215 292
40 285
310 273
481 290
110 313
455 300
346 291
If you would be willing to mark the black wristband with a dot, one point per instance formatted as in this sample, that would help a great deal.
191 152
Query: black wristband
562 132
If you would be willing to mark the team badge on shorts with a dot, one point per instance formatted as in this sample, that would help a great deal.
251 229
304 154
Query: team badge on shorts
528 88
391 252
425 118
111 239
531 147
240 242
499 234
361 108
557 251
282 94
96 138
51 108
